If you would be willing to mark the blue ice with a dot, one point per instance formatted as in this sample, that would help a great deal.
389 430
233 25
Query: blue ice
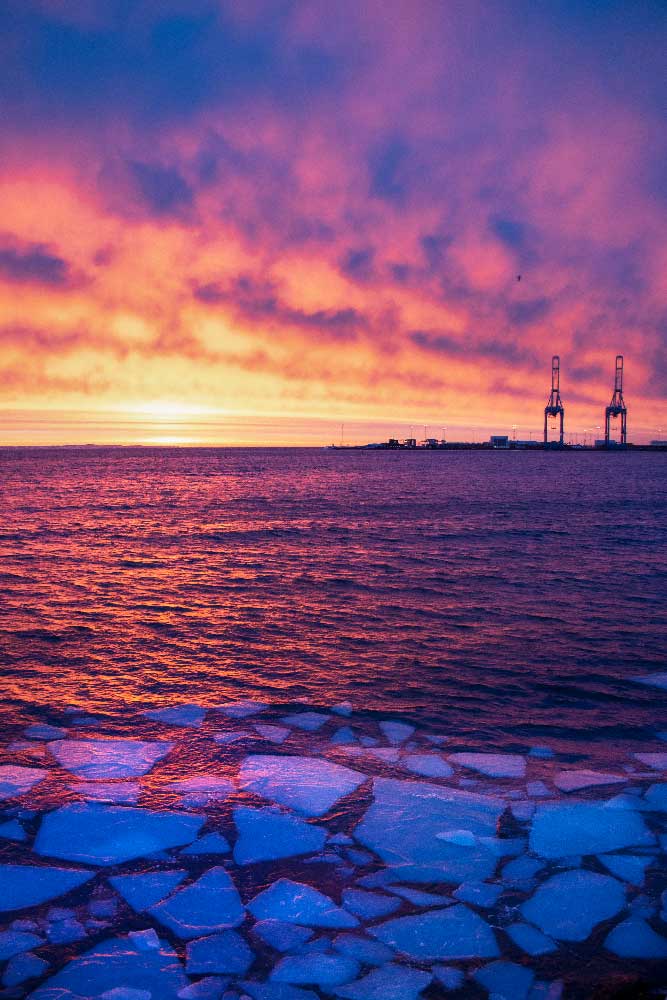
456 932
268 833
17 780
506 980
30 885
585 828
428 765
108 835
391 982
310 722
369 905
188 716
307 785
364 951
634 938
281 935
12 830
297 903
324 970
23 967
212 843
104 759
145 889
530 939
116 792
42 731
397 732
223 952
629 867
494 765
274 734
570 904
114 962
14 942
210 904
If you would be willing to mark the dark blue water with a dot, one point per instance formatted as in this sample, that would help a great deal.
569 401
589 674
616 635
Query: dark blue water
506 595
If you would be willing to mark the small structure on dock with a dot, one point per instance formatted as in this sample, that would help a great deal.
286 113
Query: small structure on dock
554 407
617 407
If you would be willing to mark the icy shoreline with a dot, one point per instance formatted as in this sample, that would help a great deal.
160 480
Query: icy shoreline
253 851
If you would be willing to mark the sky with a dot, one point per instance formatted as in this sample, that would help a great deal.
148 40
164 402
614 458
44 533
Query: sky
280 222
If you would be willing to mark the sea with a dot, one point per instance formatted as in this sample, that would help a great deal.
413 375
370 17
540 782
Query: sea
506 595
431 686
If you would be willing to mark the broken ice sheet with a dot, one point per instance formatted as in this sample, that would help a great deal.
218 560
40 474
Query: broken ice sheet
570 904
117 792
307 785
17 780
103 759
116 961
242 709
323 970
573 781
199 790
408 822
226 951
310 722
560 830
269 833
30 885
456 932
188 716
210 904
298 903
274 734
428 765
144 889
107 835
494 765
397 732
390 982
634 938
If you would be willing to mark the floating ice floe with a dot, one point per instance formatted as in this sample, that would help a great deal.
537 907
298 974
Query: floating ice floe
30 885
481 894
17 780
324 970
210 904
570 904
188 716
14 942
268 833
656 797
280 935
22 967
117 792
506 980
387 754
369 905
145 889
397 732
242 709
407 819
573 781
108 835
494 765
391 982
558 831
297 903
362 949
530 940
456 932
428 765
212 843
307 785
103 759
343 735
658 761
226 739
223 952
202 789
277 991
309 722
12 830
628 867
342 708
634 938
116 962
654 680
274 734
419 898
42 731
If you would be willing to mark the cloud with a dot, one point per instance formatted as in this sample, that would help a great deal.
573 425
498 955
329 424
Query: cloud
33 263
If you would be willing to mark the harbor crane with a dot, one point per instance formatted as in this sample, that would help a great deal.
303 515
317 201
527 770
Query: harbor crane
617 407
554 407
